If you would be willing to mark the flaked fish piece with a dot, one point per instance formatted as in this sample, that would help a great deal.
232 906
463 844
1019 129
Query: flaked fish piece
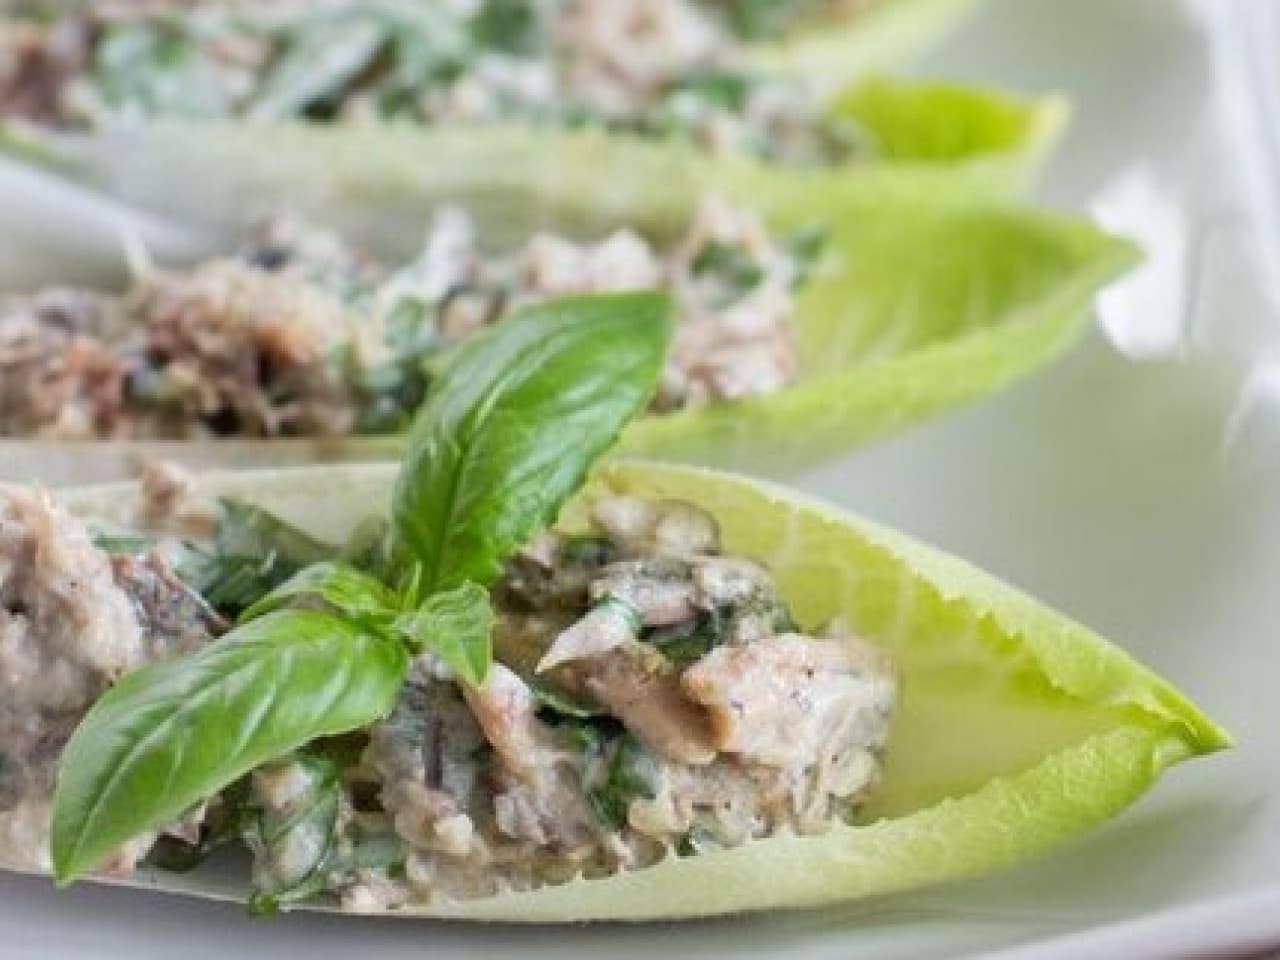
628 595
539 800
625 518
658 589
636 684
607 625
785 701
506 709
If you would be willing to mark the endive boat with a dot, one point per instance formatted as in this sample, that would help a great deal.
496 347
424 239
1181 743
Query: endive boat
792 346
632 109
706 695
628 63
937 142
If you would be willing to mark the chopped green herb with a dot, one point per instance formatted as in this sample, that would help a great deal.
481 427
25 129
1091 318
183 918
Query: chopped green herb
561 706
587 549
391 391
722 88
805 247
635 621
731 265
305 823
125 544
253 553
685 644
632 774
319 61
158 68
695 842
507 25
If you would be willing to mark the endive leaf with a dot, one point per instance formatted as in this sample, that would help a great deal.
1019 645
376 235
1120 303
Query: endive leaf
911 312
931 141
380 183
1017 728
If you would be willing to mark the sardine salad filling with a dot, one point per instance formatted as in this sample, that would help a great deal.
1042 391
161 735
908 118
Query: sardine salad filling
651 697
654 67
297 334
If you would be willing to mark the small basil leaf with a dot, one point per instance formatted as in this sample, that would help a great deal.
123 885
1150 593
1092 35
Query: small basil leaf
514 423
457 625
169 735
346 589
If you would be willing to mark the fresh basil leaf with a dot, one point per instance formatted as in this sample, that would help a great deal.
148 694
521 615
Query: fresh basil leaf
348 590
169 735
514 423
458 625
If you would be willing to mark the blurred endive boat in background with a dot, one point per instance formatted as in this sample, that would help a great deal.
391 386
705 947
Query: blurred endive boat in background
927 288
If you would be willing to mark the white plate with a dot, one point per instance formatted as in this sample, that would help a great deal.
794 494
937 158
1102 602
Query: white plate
1141 495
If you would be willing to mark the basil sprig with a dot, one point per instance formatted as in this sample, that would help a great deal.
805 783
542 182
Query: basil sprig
516 421
507 436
